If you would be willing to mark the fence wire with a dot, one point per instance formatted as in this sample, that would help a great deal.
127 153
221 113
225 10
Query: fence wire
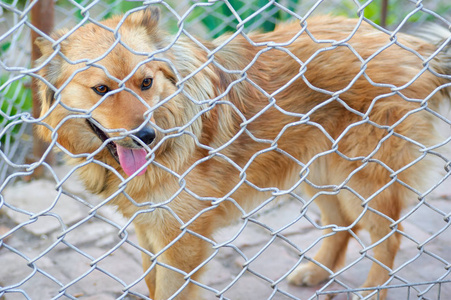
59 241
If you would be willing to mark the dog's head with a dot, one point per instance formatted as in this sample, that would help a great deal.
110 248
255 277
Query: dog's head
111 86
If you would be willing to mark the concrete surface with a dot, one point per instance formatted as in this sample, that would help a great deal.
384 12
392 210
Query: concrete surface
36 260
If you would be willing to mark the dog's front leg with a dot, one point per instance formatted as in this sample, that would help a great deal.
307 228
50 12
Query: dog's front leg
168 278
145 243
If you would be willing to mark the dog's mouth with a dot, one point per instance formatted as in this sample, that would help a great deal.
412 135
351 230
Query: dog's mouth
103 137
130 159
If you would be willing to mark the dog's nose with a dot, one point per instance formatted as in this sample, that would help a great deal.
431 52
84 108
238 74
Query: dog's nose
146 135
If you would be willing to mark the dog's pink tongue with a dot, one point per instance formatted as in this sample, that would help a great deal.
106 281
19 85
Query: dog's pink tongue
131 159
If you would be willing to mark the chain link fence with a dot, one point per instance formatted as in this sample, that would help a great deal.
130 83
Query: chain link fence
59 241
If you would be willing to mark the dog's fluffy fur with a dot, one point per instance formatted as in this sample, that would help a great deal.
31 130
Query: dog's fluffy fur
240 120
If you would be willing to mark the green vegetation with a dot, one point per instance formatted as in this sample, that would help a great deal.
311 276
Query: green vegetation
373 11
15 98
114 7
219 19
214 20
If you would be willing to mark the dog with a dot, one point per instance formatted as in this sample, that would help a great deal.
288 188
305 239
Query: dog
184 136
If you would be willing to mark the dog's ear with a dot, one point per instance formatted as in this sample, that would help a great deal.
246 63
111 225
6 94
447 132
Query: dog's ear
44 45
49 71
147 18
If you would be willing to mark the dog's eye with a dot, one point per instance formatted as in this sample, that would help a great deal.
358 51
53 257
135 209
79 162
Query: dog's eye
146 84
101 89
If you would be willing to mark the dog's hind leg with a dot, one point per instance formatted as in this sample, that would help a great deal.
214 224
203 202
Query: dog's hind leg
332 252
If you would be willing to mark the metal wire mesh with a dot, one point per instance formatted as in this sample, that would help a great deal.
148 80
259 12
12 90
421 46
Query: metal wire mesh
59 241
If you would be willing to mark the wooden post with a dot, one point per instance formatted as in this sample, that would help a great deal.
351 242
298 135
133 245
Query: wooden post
42 17
384 13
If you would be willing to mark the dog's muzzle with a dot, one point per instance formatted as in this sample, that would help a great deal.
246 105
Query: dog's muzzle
146 135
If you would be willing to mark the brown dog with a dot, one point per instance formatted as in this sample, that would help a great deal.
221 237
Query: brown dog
185 138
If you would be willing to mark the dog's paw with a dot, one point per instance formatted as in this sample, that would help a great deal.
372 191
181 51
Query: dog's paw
308 274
